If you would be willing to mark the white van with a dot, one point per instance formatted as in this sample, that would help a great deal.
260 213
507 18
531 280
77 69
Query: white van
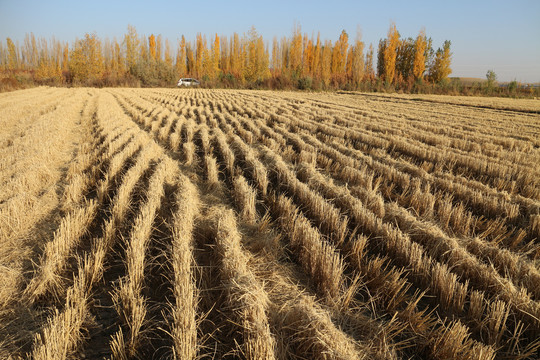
187 82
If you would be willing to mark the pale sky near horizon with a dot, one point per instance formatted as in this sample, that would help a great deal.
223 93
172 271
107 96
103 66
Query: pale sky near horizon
500 35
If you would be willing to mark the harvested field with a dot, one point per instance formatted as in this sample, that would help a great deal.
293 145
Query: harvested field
194 224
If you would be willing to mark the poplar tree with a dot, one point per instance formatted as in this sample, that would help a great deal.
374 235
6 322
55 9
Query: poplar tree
168 57
12 54
199 55
339 54
152 46
296 57
257 59
214 63
405 59
236 57
441 65
390 53
369 70
276 57
381 50
120 61
131 41
420 55
295 53
224 63
181 58
308 58
86 63
190 60
316 60
65 60
159 48
358 62
326 62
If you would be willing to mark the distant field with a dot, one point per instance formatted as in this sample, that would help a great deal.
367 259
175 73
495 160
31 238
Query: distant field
492 103
190 223
471 80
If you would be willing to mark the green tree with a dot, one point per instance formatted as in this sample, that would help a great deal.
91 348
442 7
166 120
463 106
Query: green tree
380 58
441 65
405 58
491 79
512 87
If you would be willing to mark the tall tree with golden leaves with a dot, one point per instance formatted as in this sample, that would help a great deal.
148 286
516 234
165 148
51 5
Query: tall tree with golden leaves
214 59
44 71
390 53
236 57
152 46
206 62
86 63
420 55
308 58
199 54
295 53
256 68
339 55
181 58
326 62
12 55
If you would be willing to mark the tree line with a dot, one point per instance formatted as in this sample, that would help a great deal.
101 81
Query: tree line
297 61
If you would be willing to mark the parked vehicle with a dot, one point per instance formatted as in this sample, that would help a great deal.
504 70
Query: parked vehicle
188 82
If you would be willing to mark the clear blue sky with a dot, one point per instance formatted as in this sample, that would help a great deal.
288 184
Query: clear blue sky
499 35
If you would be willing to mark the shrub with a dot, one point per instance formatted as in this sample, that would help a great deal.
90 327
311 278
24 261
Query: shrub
305 83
